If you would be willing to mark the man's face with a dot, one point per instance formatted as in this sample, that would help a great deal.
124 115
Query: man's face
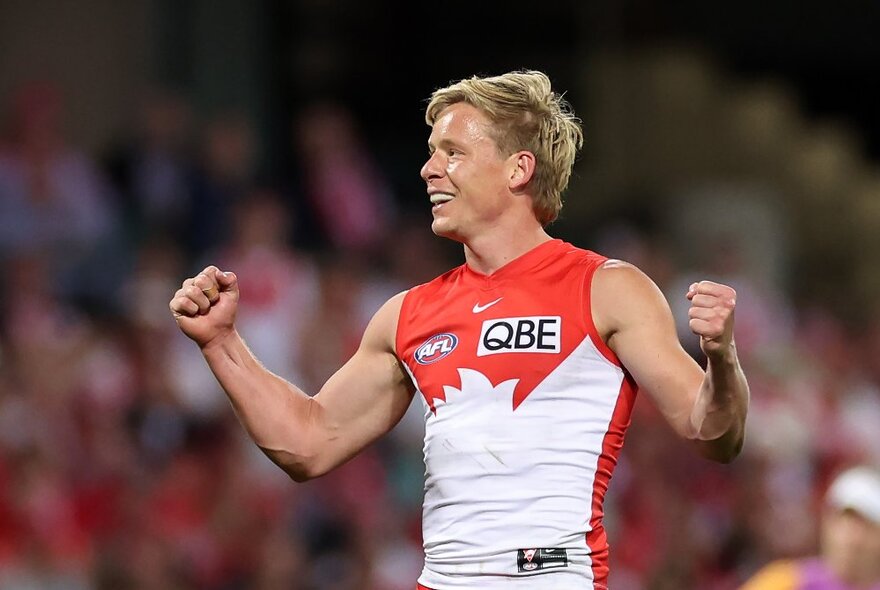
467 177
851 546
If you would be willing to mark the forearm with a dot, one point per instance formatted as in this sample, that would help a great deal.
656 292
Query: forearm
277 415
718 416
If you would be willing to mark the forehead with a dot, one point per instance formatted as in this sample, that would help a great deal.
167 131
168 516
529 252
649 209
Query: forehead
851 519
460 121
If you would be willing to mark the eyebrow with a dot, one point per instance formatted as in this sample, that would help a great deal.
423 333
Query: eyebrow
443 144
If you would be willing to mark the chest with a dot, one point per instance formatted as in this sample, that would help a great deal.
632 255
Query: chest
520 330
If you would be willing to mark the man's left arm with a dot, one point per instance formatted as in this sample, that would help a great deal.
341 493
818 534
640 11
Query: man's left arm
632 316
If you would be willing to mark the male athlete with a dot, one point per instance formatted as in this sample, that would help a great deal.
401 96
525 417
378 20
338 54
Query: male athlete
527 357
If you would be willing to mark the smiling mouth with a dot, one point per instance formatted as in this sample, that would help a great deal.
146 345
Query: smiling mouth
438 199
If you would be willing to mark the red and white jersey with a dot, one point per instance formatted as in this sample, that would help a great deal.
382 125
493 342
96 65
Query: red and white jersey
525 411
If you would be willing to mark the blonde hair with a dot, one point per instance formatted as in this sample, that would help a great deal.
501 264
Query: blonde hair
526 115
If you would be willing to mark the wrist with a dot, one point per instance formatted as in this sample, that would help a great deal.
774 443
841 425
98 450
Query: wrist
722 356
220 341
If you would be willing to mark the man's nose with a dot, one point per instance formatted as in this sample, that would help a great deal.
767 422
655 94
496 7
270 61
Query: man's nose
432 168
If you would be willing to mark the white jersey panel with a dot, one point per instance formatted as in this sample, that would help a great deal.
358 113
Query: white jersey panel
500 480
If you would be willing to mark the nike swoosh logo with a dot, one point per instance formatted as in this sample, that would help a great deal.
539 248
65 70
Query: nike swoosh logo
478 308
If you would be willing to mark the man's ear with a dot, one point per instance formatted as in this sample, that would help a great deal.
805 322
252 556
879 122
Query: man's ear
522 169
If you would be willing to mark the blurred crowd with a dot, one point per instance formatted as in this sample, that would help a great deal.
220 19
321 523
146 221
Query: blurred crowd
123 466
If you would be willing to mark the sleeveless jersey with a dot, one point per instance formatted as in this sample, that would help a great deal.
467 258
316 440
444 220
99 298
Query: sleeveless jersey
525 413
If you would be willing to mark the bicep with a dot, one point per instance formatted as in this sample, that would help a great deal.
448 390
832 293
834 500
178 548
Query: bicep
640 329
365 398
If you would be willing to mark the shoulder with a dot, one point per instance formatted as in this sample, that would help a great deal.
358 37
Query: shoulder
621 293
575 255
416 295
612 270
621 283
441 280
381 332
390 310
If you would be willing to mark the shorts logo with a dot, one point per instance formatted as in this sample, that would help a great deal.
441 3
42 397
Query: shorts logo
529 560
526 334
435 348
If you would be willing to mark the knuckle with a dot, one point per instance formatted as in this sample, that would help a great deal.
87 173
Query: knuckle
178 305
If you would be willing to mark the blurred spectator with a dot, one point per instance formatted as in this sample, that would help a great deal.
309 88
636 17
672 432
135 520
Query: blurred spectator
226 172
282 283
333 330
280 298
850 549
749 252
343 185
153 169
53 199
157 416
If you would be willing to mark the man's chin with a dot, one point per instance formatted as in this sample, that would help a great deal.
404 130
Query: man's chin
443 229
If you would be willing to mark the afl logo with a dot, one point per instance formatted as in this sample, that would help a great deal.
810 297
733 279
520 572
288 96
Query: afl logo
435 348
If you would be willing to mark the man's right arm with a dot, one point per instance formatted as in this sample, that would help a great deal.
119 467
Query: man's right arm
306 436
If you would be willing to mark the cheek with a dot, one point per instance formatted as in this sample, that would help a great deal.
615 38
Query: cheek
873 542
848 537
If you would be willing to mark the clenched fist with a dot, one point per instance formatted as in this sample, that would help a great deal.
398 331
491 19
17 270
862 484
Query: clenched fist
205 305
711 316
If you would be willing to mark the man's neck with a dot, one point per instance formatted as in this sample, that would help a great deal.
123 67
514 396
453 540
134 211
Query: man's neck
487 253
